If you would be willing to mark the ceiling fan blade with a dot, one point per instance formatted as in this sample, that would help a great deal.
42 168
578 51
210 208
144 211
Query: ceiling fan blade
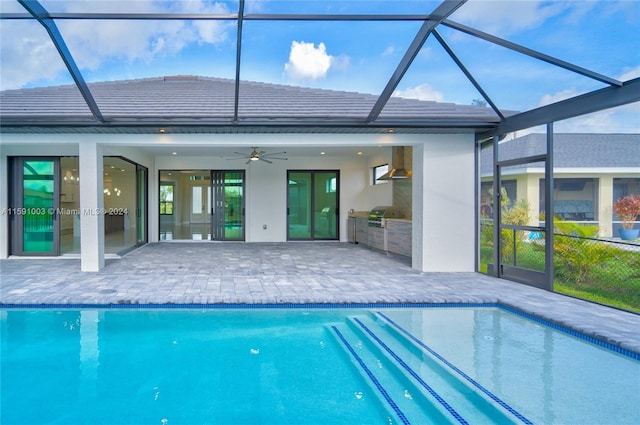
283 159
276 153
266 160
248 162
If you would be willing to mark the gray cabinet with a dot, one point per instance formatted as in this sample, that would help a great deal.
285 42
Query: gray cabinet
351 229
399 237
362 228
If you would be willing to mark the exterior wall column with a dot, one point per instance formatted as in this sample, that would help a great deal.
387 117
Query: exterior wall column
605 205
533 196
443 235
4 204
91 207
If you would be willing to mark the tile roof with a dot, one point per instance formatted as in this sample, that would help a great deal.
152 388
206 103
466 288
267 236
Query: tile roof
197 100
579 150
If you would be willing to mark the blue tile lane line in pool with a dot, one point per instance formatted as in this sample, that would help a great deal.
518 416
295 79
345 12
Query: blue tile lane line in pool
417 377
371 376
569 331
456 369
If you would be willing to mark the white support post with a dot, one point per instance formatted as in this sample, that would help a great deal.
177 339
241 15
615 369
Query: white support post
443 234
4 205
418 207
91 207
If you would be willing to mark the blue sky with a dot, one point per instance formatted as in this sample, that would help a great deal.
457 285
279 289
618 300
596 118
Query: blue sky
602 36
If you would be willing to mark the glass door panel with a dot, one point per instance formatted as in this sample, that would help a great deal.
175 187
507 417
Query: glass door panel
228 205
200 212
141 204
69 214
522 239
312 204
325 205
233 205
38 205
299 205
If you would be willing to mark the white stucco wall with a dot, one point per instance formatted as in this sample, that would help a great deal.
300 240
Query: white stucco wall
443 204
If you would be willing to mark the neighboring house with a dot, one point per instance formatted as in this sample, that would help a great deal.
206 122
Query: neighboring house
591 171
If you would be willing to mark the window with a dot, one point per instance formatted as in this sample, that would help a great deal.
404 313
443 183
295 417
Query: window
574 199
166 199
378 172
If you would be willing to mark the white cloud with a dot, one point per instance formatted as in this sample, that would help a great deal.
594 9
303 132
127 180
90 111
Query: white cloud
548 99
389 51
29 56
421 92
503 18
622 119
306 61
630 73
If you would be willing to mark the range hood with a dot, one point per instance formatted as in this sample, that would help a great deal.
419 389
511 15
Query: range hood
397 171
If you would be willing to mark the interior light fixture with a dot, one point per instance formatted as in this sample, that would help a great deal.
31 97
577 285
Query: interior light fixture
323 153
174 153
360 153
163 130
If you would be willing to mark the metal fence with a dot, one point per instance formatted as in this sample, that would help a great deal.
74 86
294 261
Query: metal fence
602 270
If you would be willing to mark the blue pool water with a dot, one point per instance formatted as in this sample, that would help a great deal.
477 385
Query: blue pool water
306 366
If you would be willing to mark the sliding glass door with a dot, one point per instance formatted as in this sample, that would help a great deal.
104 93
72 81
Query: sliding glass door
36 203
228 205
202 205
312 205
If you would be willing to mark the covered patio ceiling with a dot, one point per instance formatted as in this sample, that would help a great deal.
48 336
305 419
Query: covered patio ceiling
428 22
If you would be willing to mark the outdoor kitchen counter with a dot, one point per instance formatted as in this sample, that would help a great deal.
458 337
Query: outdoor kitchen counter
394 237
398 236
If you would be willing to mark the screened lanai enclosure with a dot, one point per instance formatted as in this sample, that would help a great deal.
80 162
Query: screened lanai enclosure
520 122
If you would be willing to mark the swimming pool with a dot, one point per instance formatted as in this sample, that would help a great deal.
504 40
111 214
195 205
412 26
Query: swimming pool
306 365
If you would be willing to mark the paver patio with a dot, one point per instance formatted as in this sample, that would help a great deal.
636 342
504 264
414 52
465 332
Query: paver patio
290 273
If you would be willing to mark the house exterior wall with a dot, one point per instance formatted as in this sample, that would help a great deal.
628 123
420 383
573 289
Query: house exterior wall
443 197
528 186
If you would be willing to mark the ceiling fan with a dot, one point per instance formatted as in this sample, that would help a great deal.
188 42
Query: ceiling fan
260 156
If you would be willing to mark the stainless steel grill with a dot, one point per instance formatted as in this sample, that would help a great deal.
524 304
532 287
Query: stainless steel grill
377 214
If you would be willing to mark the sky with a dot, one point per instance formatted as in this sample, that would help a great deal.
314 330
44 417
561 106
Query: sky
601 36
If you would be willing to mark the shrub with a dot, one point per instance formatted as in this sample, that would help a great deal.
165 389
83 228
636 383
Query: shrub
627 208
575 257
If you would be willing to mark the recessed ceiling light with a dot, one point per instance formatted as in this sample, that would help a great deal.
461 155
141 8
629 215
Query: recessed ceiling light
323 153
174 153
360 153
163 130
391 130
